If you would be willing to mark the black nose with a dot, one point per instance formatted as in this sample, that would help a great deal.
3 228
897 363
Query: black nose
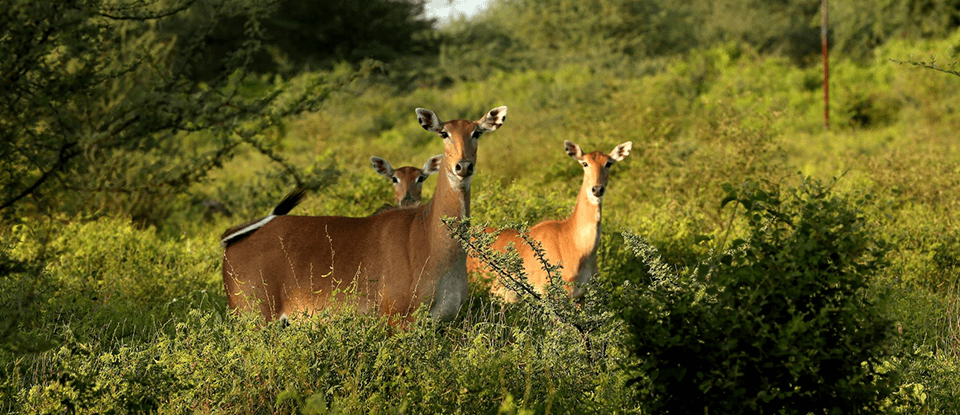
598 190
464 169
409 201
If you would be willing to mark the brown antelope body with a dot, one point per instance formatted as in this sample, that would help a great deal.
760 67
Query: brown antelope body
388 263
572 242
407 180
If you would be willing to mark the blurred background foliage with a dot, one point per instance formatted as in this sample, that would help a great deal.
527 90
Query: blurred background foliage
133 101
133 133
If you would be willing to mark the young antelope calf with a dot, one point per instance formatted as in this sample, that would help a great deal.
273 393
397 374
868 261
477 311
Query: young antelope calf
407 180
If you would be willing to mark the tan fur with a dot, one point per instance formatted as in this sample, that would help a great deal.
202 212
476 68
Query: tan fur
408 191
388 263
571 242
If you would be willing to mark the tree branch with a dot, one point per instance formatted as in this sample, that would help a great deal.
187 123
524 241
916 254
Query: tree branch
157 16
66 153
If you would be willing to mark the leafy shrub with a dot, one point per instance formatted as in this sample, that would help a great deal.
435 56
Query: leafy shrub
131 322
778 323
100 316
925 350
337 361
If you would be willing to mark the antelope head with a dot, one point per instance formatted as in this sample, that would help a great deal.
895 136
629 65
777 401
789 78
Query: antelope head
596 167
407 180
460 139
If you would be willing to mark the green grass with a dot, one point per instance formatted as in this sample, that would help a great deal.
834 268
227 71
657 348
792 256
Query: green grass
131 320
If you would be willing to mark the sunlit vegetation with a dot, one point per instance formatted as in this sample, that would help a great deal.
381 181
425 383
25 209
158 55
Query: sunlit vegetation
750 259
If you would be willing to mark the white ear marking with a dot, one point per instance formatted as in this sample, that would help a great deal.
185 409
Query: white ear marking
382 166
573 150
429 121
621 151
432 165
493 119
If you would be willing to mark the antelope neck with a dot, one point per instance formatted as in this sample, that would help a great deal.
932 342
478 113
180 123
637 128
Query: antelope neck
584 222
441 206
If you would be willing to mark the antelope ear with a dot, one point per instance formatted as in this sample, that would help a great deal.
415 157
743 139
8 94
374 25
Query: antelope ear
493 119
432 165
429 121
382 166
621 151
573 150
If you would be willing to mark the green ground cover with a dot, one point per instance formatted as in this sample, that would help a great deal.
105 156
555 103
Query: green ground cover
108 314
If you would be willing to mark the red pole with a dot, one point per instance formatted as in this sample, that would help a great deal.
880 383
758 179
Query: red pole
826 72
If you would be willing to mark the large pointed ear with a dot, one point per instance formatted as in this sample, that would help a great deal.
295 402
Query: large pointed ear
432 165
429 121
621 151
573 150
493 119
382 166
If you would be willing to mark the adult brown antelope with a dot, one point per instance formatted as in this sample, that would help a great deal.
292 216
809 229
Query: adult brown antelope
389 263
571 242
407 180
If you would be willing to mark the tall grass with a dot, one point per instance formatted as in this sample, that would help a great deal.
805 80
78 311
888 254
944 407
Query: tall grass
130 320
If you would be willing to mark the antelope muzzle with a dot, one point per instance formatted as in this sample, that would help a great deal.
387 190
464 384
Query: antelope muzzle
464 168
598 190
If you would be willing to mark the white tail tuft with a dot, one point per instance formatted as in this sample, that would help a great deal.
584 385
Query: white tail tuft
246 229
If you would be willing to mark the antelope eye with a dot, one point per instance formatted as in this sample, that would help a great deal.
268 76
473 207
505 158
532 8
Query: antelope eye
395 180
583 163
444 134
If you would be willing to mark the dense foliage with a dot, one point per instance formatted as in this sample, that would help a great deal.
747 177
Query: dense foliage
634 36
297 36
99 111
119 169
779 322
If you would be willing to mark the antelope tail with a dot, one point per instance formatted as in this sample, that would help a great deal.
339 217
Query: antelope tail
235 233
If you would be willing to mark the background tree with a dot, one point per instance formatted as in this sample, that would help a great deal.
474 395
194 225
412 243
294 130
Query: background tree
786 27
636 35
302 35
100 111
860 26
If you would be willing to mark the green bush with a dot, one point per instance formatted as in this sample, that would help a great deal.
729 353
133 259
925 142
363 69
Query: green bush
99 315
925 350
126 321
778 323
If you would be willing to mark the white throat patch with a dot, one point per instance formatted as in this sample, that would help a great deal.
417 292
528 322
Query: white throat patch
594 199
456 182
